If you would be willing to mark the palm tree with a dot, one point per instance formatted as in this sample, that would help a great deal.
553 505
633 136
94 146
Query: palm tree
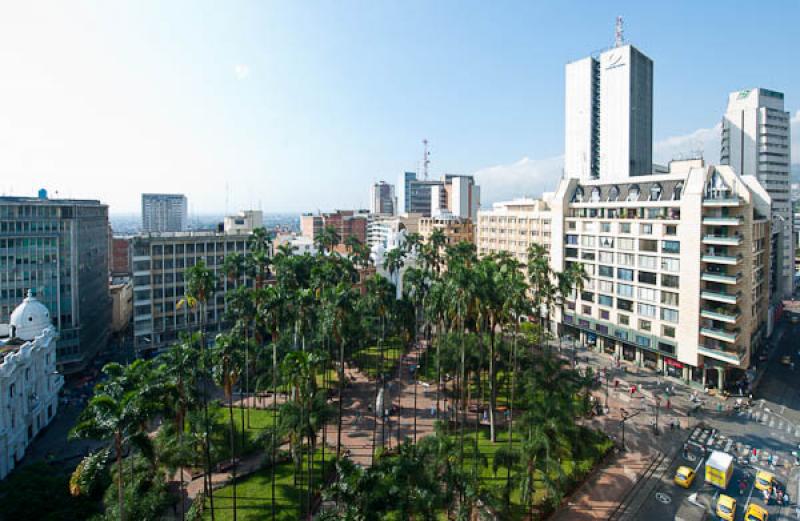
540 277
227 368
572 279
200 287
327 239
118 413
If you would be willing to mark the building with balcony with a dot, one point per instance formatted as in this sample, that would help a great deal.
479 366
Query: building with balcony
29 383
60 249
347 223
160 261
512 226
164 212
678 268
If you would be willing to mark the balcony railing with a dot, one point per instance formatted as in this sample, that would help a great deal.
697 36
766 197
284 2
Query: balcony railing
722 200
722 240
723 221
720 296
723 278
720 334
721 314
718 354
718 258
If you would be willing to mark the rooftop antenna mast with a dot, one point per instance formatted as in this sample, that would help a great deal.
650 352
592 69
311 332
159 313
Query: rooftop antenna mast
619 33
426 159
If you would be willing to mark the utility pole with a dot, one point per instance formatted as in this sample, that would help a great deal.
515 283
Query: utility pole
657 406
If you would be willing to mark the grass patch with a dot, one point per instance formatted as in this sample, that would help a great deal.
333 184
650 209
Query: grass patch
254 493
256 421
368 359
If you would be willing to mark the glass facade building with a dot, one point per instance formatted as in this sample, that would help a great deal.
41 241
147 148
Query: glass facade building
59 249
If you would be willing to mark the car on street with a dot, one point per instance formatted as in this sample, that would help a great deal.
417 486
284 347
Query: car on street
755 512
764 480
726 507
684 477
786 360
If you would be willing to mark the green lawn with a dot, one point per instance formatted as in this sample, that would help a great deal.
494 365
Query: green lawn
595 446
256 421
254 494
368 359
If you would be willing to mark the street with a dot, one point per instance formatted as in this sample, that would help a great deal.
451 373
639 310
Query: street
760 438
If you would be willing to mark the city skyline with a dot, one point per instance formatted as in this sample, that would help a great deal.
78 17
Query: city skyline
239 110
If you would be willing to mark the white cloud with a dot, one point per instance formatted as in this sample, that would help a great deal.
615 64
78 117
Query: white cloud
703 141
531 177
242 71
527 176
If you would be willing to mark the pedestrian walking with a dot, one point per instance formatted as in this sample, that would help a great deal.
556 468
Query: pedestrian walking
669 404
433 411
616 384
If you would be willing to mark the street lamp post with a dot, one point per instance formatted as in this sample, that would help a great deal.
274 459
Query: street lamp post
655 426
622 422
605 375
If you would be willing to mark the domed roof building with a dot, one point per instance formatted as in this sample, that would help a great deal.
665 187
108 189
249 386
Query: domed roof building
29 382
29 319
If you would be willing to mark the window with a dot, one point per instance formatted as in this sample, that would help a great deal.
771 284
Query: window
626 305
646 229
624 274
588 296
605 227
673 265
587 241
642 341
670 281
626 259
595 195
613 194
667 348
623 320
647 310
648 262
625 228
605 271
605 300
587 310
572 240
572 253
578 195
648 245
604 314
633 193
669 315
669 299
647 277
655 192
606 242
670 246
605 286
606 257
645 325
625 290
626 244
648 294
670 229
668 331
676 192
587 255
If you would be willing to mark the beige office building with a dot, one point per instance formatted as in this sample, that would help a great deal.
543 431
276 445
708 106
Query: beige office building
513 226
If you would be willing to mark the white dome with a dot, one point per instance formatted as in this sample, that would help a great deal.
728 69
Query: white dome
29 319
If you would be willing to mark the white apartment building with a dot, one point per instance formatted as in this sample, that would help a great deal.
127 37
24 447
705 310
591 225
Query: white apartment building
383 230
29 383
164 212
243 222
608 126
160 261
678 268
756 141
512 226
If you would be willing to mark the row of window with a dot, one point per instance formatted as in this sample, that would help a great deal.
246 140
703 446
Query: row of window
606 227
625 244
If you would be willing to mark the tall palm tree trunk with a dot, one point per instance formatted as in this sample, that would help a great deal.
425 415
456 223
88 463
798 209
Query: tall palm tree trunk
233 449
120 493
492 383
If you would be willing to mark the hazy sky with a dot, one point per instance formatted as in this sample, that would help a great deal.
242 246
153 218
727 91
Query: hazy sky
300 105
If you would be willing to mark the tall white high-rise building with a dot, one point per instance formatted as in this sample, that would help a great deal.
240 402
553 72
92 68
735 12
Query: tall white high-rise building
164 212
756 141
609 115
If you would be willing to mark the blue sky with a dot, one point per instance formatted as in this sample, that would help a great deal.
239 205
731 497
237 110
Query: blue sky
293 106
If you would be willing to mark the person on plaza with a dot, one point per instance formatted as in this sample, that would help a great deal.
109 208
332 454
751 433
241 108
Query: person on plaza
669 405
616 384
433 411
